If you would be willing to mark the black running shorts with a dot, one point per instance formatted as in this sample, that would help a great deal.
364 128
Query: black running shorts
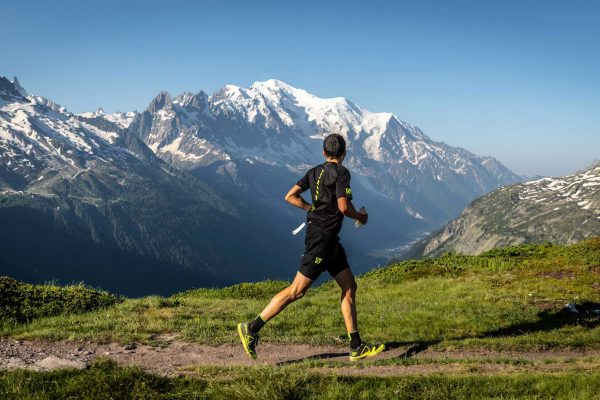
322 252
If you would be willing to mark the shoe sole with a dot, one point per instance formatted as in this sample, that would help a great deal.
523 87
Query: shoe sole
244 342
371 354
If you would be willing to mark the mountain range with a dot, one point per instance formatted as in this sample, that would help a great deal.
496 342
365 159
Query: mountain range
559 210
274 124
190 190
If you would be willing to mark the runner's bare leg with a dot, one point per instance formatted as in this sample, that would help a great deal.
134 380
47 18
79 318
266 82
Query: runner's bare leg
287 296
347 283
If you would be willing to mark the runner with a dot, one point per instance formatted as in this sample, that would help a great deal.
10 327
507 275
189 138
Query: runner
331 196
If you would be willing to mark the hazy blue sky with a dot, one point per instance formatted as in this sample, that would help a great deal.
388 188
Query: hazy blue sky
519 80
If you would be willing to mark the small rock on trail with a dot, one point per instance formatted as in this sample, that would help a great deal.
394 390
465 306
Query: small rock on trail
53 362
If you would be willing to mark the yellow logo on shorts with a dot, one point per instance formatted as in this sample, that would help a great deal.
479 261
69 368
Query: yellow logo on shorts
348 190
318 260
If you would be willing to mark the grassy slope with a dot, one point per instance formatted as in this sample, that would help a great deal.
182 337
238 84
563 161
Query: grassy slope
505 299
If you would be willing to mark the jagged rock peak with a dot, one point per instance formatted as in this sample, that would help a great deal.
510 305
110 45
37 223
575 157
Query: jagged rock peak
9 89
160 102
18 87
194 100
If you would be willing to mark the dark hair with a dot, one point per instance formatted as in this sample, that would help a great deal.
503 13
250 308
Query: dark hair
334 145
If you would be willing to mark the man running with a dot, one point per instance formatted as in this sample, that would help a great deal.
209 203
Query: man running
331 196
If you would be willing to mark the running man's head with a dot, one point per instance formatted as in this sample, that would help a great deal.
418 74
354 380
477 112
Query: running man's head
334 147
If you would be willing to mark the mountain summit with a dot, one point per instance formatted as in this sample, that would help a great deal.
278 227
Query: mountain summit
272 123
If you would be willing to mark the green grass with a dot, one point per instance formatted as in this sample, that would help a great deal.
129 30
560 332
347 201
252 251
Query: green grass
105 380
510 298
23 302
505 299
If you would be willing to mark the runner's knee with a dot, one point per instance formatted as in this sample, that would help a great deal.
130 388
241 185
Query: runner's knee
350 290
295 293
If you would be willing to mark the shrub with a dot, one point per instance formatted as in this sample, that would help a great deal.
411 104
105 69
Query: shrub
264 289
23 302
523 250
449 265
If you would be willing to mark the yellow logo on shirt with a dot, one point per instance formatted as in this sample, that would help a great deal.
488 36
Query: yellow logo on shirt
348 190
318 260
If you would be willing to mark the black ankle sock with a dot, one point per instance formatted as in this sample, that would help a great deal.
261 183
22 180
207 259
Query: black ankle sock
354 339
256 324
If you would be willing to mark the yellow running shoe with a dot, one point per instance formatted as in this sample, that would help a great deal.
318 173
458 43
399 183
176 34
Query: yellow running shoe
249 340
365 350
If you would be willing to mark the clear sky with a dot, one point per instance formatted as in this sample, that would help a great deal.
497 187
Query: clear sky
519 80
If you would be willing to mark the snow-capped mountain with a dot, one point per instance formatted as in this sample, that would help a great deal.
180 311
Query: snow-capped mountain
98 195
39 138
274 124
83 199
558 210
121 119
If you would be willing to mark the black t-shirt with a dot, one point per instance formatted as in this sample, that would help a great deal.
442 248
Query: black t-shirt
327 183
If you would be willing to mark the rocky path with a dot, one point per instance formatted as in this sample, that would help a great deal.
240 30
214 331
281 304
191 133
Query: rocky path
180 358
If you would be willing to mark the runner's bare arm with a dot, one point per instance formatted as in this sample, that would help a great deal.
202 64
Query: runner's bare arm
347 208
293 197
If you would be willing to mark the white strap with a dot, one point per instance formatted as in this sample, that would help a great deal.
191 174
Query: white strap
298 229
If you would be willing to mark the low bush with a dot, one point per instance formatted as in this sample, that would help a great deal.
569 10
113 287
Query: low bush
23 302
265 289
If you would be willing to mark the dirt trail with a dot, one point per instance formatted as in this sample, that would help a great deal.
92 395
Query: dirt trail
179 358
